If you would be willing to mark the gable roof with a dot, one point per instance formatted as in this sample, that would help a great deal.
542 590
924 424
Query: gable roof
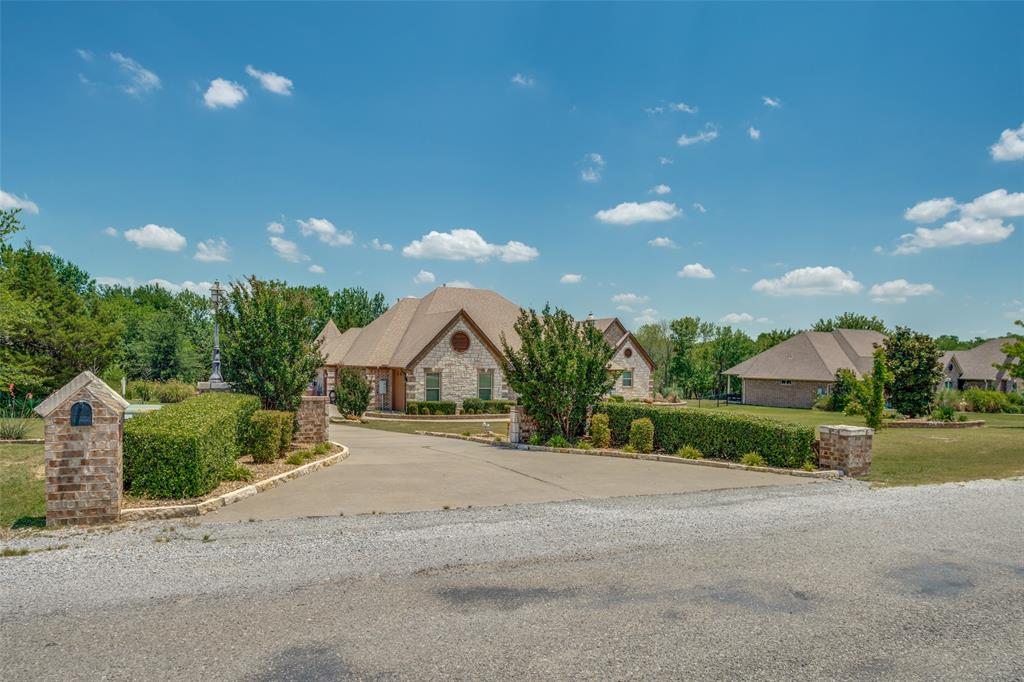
96 386
976 364
813 356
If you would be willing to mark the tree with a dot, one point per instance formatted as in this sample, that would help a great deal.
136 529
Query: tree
726 348
558 371
876 383
766 340
656 340
349 307
352 392
1014 350
163 350
266 349
9 223
844 389
850 321
689 368
913 362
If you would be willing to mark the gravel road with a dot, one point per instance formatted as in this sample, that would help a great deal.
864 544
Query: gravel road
832 580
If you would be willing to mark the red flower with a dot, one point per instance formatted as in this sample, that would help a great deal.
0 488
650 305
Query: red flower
28 396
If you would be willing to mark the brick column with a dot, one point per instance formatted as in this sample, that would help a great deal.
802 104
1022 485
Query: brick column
312 421
520 426
845 448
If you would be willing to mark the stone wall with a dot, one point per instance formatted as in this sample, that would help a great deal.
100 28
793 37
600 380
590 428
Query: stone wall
458 371
642 376
83 463
845 448
773 393
520 426
379 400
312 421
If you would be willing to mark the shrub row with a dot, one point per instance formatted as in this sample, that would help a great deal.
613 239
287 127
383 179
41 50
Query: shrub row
185 449
981 400
430 407
172 391
715 435
478 406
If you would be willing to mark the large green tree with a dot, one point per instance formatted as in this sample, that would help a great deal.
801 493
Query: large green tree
656 340
1014 350
726 348
766 340
348 307
9 223
913 362
851 321
266 349
689 366
559 370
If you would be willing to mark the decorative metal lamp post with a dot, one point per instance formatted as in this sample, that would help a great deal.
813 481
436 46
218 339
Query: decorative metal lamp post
216 382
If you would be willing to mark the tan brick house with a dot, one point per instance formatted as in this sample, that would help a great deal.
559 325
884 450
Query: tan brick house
799 370
447 345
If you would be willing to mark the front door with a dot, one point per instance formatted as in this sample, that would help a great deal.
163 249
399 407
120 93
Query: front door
398 387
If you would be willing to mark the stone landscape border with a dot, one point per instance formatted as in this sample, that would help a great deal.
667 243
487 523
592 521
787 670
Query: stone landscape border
23 441
200 508
912 424
826 474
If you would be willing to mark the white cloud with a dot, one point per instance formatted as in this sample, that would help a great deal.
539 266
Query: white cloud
11 201
665 161
878 249
624 309
316 269
754 133
696 271
596 159
460 284
773 102
996 204
709 134
661 189
86 55
629 299
523 80
1010 146
812 281
570 279
630 212
590 175
201 288
275 228
378 245
467 244
224 93
662 243
424 277
700 207
326 231
655 110
954 233
682 107
737 318
930 211
646 316
898 291
156 237
212 251
142 80
288 250
269 80
111 232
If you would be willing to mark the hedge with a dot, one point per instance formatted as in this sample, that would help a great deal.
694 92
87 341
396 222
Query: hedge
430 407
641 435
264 436
478 406
287 430
173 391
184 449
725 436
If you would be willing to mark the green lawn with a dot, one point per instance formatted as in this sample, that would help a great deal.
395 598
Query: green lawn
22 488
471 427
916 456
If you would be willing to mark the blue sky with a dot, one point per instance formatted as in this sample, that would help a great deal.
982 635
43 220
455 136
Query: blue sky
749 163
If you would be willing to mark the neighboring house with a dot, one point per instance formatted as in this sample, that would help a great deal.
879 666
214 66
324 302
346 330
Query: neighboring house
447 345
975 368
799 370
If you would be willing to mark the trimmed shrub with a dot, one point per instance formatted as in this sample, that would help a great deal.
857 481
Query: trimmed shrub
726 436
287 430
478 406
689 452
752 459
172 391
981 400
431 406
412 408
264 436
185 449
641 435
616 399
352 393
558 441
943 413
600 434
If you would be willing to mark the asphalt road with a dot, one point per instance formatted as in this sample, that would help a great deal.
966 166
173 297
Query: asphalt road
831 581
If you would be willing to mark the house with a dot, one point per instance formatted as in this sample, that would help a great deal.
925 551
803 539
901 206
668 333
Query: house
447 345
799 370
976 368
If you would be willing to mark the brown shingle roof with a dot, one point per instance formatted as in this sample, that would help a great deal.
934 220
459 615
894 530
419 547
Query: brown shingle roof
812 356
977 363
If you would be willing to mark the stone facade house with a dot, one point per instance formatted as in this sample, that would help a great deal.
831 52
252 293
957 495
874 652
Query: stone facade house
976 368
799 370
447 345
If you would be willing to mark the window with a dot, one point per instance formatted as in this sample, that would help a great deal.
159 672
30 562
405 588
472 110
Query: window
785 382
433 385
484 384
627 379
628 352
460 342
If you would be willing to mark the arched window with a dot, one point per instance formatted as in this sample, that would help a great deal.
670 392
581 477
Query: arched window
81 414
460 342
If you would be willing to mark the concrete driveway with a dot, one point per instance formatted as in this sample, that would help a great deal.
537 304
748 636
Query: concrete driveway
394 472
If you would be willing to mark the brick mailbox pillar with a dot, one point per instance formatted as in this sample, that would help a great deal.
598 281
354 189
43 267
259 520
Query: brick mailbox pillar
521 426
845 448
312 420
84 422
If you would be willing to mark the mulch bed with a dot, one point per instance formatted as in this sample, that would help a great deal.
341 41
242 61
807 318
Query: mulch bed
259 473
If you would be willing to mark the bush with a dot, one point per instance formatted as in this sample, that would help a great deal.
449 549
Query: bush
287 430
535 439
352 392
583 445
752 459
943 413
172 391
600 434
264 436
823 403
430 407
558 441
689 452
949 397
616 399
982 400
628 448
715 434
641 434
185 449
238 472
478 406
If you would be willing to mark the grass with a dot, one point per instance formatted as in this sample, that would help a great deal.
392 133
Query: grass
22 488
461 427
918 456
35 428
